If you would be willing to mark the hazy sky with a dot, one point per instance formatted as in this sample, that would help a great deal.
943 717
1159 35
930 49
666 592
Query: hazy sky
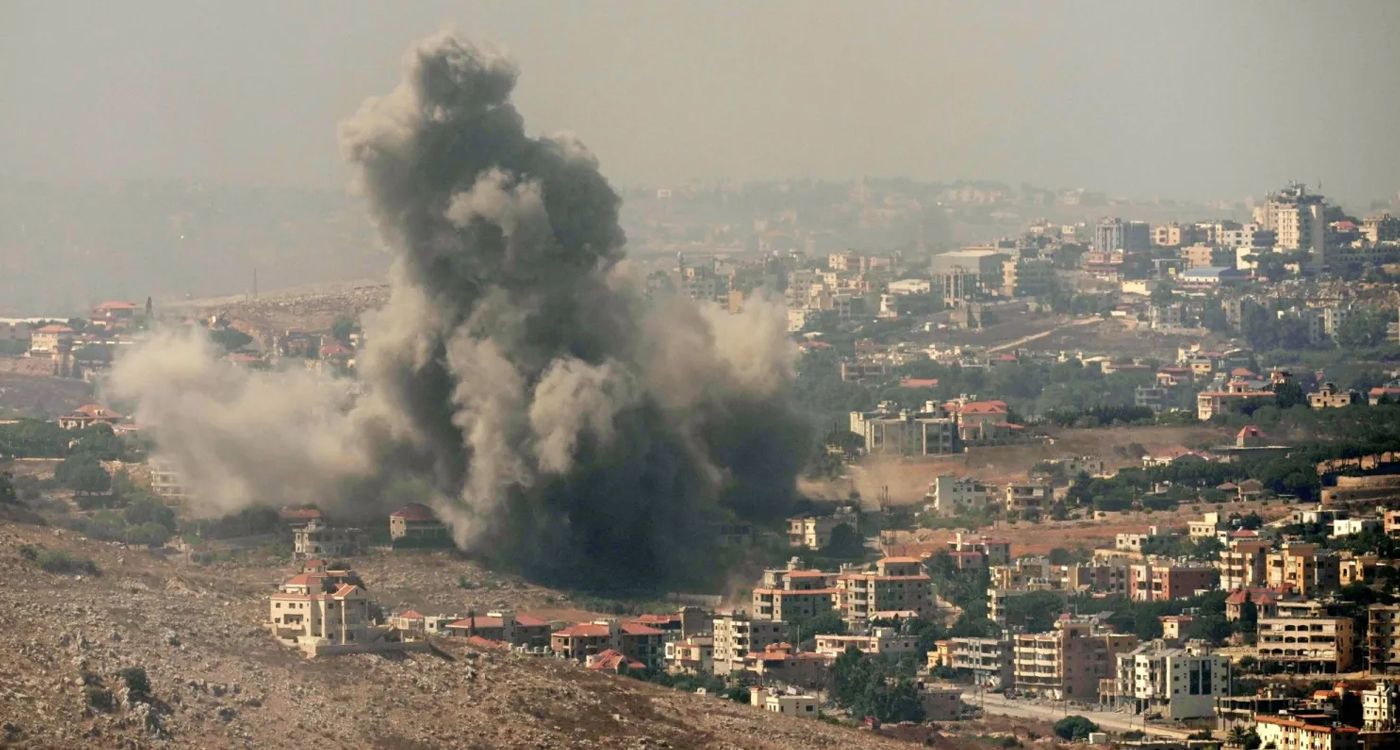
1175 99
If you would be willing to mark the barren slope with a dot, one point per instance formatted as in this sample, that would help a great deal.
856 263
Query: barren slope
220 681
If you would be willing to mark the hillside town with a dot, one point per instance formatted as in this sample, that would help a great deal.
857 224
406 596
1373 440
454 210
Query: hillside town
1138 481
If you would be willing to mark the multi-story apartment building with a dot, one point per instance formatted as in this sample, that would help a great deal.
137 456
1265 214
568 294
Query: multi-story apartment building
1307 644
897 586
997 551
1177 683
1156 582
1383 638
1303 568
987 660
736 635
1244 564
793 593
1380 707
1298 220
1028 496
1105 577
949 495
639 642
1068 662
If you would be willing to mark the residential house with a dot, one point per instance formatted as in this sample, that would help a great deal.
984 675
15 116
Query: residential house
1244 564
1380 707
1159 582
504 626
87 415
1028 497
1305 733
793 593
1303 568
326 612
51 339
987 660
877 641
782 663
814 532
691 655
949 495
1329 396
775 701
585 639
415 525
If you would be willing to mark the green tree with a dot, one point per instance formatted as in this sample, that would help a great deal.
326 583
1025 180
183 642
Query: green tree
83 474
1362 329
1074 728
231 339
343 327
844 542
8 496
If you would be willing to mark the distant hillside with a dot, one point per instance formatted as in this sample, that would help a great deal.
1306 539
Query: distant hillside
64 248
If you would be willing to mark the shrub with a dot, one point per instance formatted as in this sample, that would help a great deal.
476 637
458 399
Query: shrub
1074 728
57 561
99 698
138 685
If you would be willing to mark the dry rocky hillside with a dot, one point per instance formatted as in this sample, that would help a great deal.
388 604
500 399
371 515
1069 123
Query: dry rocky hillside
217 679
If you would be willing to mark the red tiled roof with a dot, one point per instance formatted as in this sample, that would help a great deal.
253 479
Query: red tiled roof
1249 430
345 590
481 642
485 622
584 630
984 407
54 328
632 628
896 559
414 512
805 574
609 660
298 514
411 614
918 382
116 305
1258 596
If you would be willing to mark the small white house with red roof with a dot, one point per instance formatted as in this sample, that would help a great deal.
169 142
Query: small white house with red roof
88 415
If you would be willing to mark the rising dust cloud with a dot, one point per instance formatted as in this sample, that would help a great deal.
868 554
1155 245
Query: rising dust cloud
564 426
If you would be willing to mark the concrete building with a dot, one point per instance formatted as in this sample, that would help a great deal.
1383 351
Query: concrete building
1244 564
692 655
985 264
1128 236
1380 707
1329 396
877 641
1383 638
736 634
415 525
504 626
814 532
316 539
326 612
1307 644
1068 663
898 587
928 432
1303 568
1159 582
778 702
1298 219
1174 683
1028 496
987 660
794 593
1027 277
950 495
1305 733
51 339
588 639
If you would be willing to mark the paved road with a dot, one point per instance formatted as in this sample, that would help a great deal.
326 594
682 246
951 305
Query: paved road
996 704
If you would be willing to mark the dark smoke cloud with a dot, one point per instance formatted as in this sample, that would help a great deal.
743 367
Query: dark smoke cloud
564 427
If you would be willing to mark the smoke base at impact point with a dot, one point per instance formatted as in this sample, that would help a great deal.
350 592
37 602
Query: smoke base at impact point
558 423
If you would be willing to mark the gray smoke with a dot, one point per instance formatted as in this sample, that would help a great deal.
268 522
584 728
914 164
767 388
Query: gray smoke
564 427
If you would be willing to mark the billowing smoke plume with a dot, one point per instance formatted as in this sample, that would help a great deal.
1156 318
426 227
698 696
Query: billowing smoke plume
561 426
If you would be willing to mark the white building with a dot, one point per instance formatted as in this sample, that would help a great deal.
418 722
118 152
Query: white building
949 495
1380 707
789 704
1354 526
1178 683
736 635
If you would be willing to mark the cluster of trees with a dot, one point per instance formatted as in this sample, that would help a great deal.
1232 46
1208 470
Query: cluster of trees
874 686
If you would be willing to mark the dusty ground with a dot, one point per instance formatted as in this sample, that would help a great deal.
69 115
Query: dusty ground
1042 536
904 481
219 680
